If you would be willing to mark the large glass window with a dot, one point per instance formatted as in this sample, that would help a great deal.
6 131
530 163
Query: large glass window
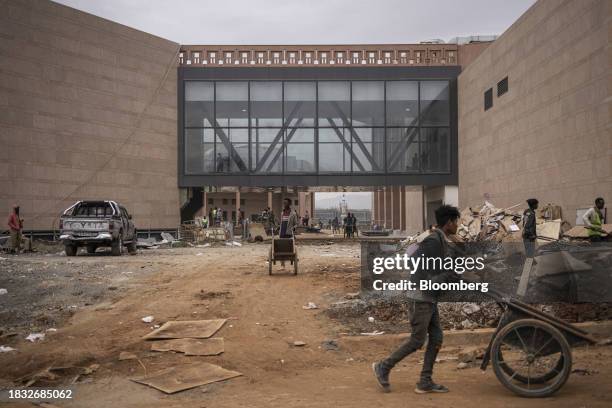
300 104
435 150
368 147
232 104
334 103
276 127
267 104
300 152
368 103
199 103
403 150
334 150
199 151
402 103
435 108
266 150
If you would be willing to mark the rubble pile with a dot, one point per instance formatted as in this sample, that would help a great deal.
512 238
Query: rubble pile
488 223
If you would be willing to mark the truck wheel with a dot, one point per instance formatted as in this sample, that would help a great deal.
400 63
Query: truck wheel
71 250
91 249
117 247
131 247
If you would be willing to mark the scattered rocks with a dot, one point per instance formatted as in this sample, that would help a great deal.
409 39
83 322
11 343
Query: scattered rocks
471 354
330 345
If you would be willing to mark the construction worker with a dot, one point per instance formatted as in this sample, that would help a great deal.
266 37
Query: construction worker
288 220
15 225
529 228
593 220
424 317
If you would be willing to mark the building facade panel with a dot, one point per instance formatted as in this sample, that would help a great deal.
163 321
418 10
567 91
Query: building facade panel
88 112
549 136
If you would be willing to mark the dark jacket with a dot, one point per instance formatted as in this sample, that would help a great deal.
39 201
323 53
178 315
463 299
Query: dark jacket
529 225
434 246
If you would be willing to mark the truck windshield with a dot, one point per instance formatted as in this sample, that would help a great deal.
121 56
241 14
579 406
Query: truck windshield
98 210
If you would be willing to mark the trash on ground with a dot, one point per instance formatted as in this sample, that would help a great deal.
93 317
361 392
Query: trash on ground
6 349
299 343
33 337
374 333
3 291
310 305
126 355
196 329
191 347
371 319
330 345
148 319
184 377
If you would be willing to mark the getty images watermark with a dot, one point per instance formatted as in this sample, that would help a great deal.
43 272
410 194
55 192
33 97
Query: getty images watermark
412 264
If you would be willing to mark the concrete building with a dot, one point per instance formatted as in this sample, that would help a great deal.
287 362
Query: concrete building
91 109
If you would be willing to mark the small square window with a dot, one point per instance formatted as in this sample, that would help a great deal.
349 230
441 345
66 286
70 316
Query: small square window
488 99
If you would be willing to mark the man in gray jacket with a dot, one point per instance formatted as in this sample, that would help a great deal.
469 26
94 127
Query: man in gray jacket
424 317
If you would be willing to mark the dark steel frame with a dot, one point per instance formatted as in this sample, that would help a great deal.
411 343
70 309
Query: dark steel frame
449 73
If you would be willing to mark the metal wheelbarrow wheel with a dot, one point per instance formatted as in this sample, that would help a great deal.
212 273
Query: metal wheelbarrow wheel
531 358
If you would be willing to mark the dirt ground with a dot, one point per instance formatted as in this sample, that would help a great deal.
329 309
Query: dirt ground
96 303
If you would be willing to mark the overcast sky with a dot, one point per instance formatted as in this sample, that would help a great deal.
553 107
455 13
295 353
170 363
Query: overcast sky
308 22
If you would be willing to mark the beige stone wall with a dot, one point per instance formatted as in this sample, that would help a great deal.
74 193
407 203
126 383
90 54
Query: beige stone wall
549 137
73 87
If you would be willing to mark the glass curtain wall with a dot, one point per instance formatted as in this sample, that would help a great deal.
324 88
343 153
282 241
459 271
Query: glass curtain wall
309 127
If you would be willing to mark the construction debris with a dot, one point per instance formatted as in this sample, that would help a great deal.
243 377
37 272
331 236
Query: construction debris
581 231
195 329
191 347
3 291
309 306
125 355
184 377
147 319
33 337
6 349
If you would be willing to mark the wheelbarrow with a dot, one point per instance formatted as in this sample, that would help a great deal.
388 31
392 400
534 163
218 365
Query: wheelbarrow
283 250
531 351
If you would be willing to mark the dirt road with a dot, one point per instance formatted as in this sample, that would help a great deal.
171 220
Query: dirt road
266 317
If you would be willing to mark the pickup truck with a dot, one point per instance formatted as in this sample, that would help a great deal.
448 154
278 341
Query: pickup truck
94 224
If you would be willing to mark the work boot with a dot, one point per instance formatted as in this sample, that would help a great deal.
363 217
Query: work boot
427 386
382 376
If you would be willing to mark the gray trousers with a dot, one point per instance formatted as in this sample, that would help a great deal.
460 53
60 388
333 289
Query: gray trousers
424 321
530 247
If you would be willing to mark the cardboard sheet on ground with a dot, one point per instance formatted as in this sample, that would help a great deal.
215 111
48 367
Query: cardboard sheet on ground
184 377
194 329
580 231
549 229
191 347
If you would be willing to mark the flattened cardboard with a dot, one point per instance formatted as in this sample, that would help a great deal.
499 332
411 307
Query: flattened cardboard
191 347
184 377
195 329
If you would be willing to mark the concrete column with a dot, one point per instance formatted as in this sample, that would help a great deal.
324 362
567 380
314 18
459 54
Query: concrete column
384 217
392 207
205 207
388 207
401 208
269 199
414 210
301 204
381 208
237 205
